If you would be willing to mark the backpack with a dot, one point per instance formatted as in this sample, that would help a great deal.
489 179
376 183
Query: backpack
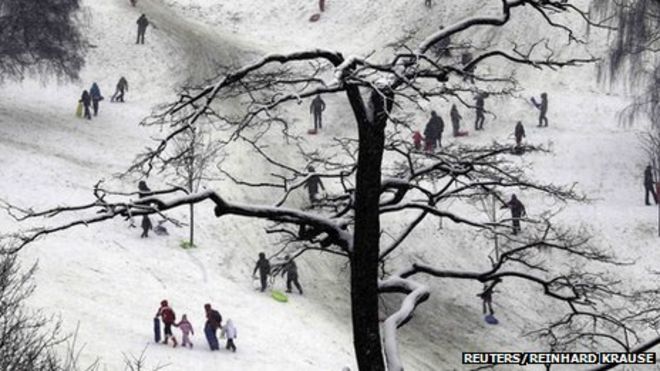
168 315
216 317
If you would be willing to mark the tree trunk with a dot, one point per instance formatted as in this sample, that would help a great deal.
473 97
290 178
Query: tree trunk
192 225
364 259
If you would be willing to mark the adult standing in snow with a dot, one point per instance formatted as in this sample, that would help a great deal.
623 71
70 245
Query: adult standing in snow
322 5
144 191
230 332
263 266
291 270
168 317
316 108
122 86
466 58
455 120
86 100
186 330
313 184
213 323
479 111
519 133
649 185
96 96
433 132
442 47
543 109
142 24
517 211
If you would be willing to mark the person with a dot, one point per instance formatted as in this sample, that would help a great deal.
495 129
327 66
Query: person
487 297
316 108
312 184
96 96
543 109
417 140
519 133
442 47
322 5
122 86
168 317
517 211
133 2
455 120
291 271
479 110
428 3
86 100
144 191
186 330
230 332
146 226
466 58
142 23
649 185
213 323
263 265
433 132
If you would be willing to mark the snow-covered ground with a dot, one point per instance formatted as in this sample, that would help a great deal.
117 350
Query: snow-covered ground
109 281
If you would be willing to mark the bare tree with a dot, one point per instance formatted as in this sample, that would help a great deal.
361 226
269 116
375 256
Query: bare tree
382 97
194 159
40 39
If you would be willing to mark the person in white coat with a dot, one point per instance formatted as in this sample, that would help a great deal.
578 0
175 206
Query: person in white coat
229 331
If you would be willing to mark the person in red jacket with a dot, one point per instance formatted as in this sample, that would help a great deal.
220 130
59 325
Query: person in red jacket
168 317
417 139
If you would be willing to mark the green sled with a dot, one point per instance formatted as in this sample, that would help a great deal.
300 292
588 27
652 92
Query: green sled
279 296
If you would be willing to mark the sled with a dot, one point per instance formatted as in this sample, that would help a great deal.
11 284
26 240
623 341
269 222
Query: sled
156 330
491 320
312 131
315 17
279 296
461 134
79 110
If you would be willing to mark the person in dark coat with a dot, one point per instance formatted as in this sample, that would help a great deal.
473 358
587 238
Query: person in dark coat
291 271
316 108
313 184
122 86
213 323
442 47
455 120
96 96
86 100
543 109
263 266
466 58
433 132
649 185
479 111
168 317
144 191
142 24
519 133
517 211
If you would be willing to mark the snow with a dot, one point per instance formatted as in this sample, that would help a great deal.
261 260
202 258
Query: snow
108 281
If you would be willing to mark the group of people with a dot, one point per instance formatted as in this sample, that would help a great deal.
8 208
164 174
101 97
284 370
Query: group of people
166 314
89 101
288 268
435 127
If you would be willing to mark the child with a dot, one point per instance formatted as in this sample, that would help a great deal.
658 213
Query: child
166 313
230 332
417 140
186 330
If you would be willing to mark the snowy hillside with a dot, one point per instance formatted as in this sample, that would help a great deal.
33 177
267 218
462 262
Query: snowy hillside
108 281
